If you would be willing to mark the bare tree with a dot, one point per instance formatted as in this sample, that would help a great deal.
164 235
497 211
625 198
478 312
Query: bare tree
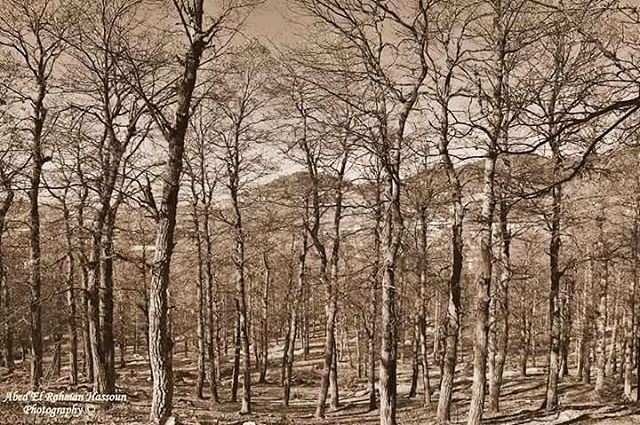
28 32
200 31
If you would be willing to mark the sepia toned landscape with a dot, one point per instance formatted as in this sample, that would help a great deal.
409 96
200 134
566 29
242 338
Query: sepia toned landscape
319 212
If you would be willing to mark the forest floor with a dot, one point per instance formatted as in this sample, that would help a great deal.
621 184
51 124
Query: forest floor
520 402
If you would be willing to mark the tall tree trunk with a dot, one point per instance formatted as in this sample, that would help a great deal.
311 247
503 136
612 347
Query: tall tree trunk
35 275
330 314
241 295
86 336
106 305
93 292
483 288
588 325
452 316
502 309
160 342
334 400
264 319
201 296
329 278
6 298
210 320
630 329
555 275
294 319
415 353
612 358
602 312
421 324
5 292
374 287
71 323
235 373
525 333
391 240
565 328
483 284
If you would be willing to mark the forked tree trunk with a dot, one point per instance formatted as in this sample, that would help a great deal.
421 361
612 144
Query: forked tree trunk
329 278
452 315
330 313
160 342
294 319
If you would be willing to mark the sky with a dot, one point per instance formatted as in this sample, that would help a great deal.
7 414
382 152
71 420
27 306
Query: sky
271 21
268 21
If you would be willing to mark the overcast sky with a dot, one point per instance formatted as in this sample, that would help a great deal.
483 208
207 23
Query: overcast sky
270 21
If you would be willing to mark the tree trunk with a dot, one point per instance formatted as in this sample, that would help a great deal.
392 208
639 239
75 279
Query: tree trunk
241 294
200 295
6 296
602 313
294 319
452 316
73 332
35 276
329 279
330 313
630 329
160 342
374 286
334 401
235 373
209 309
106 304
5 292
391 240
415 350
587 339
525 333
264 320
95 343
421 324
501 324
483 288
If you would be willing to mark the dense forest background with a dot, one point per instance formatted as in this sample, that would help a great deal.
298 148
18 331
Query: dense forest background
401 211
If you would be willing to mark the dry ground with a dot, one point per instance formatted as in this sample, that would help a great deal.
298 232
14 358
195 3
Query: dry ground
521 400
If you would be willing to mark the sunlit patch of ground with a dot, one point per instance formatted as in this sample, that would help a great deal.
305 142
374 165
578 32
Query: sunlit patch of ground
520 404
